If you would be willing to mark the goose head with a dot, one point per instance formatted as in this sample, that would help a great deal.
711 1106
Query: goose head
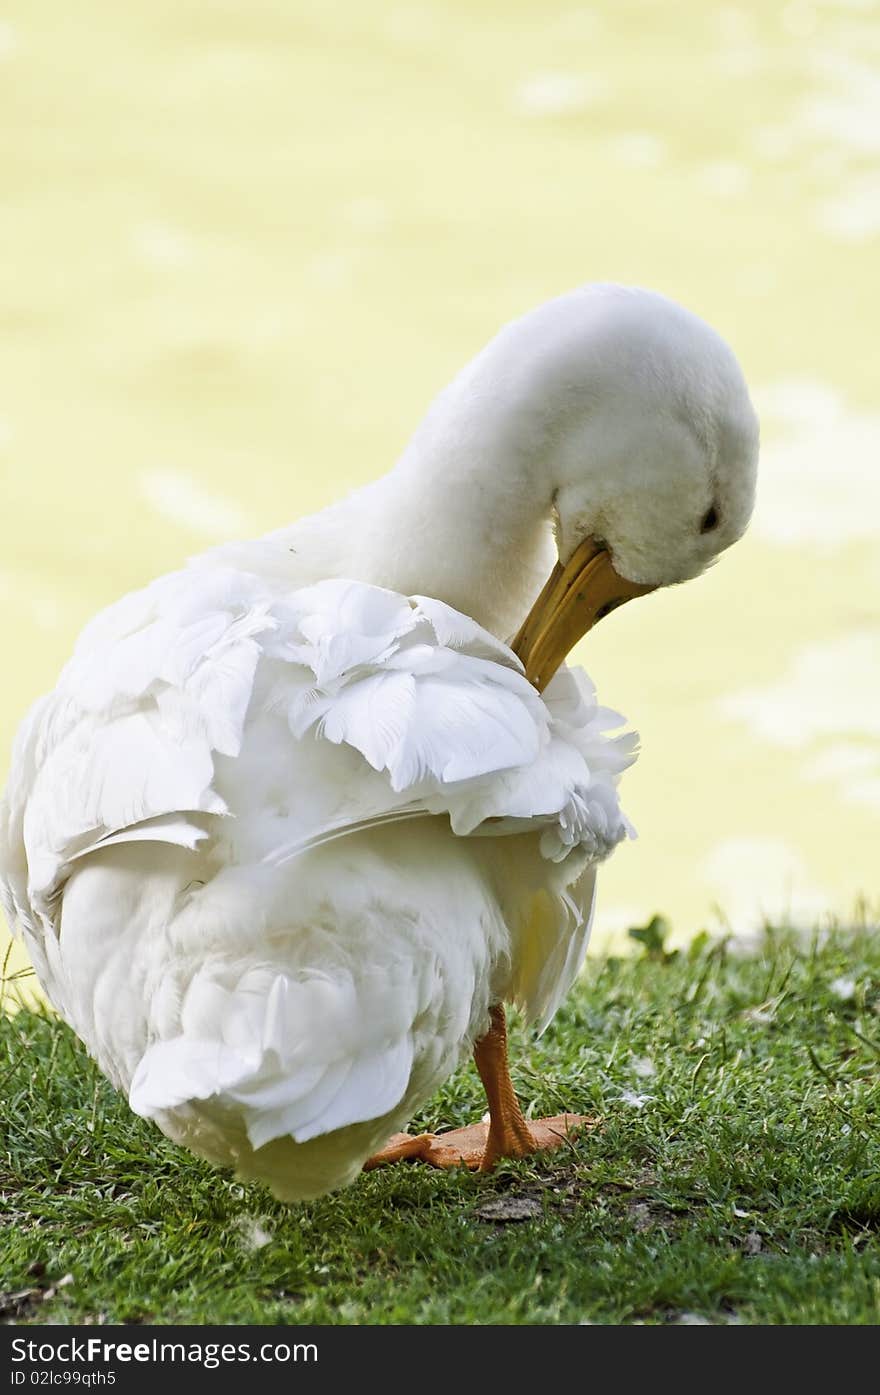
650 447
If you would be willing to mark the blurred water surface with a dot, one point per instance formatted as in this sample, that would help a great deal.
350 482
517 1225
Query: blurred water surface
242 246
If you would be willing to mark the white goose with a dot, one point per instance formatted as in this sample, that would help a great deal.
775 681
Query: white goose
246 836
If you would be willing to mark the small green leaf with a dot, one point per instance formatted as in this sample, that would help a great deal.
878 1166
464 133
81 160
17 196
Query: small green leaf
652 936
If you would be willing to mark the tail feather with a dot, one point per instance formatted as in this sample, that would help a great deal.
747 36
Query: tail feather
359 1050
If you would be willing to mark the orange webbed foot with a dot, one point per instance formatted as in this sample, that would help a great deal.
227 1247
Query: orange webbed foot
474 1146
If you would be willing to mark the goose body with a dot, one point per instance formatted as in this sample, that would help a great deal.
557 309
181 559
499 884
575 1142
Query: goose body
294 818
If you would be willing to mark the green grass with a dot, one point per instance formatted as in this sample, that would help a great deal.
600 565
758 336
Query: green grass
740 1182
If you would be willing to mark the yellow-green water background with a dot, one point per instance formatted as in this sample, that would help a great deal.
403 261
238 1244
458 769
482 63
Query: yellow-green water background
243 244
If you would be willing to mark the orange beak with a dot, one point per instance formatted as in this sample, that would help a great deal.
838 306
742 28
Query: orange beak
575 597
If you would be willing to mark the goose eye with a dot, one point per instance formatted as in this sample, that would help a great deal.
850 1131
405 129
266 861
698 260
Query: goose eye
709 520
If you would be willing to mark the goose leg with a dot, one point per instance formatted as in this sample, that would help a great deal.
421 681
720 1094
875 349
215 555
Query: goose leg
507 1135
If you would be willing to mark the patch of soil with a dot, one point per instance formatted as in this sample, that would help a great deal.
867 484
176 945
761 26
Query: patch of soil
503 1209
647 1215
25 1302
